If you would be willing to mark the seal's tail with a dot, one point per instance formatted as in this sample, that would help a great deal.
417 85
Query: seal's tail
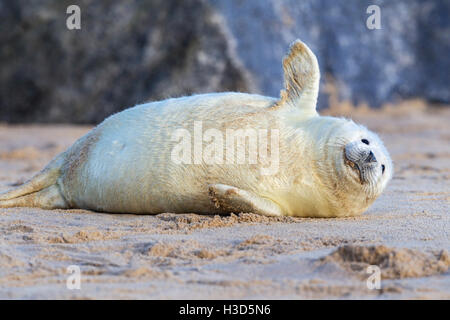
40 191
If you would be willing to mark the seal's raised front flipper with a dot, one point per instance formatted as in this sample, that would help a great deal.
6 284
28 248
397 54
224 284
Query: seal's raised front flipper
40 191
301 79
231 199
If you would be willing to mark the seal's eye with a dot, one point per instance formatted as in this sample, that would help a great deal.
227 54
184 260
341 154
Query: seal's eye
365 141
382 168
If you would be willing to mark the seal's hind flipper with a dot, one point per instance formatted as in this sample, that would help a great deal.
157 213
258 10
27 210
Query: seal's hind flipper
231 199
48 198
301 79
40 191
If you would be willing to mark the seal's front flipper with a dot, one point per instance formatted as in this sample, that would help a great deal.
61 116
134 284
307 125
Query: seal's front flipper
231 199
301 79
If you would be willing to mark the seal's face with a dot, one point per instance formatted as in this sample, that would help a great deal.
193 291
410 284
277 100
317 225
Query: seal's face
361 162
367 160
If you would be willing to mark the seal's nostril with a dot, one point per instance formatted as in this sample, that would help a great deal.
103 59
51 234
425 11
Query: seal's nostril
371 157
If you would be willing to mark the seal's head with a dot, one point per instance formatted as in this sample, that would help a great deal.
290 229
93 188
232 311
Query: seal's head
362 161
350 165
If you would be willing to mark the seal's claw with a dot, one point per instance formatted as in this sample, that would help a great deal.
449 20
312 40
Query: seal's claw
234 200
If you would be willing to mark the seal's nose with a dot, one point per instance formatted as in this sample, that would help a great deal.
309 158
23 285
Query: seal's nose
370 158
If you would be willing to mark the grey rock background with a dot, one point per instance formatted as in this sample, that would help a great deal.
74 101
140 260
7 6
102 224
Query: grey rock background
128 52
408 57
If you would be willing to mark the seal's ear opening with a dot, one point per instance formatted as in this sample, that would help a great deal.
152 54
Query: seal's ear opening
301 78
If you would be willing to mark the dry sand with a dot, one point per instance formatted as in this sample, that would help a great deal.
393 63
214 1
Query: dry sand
406 233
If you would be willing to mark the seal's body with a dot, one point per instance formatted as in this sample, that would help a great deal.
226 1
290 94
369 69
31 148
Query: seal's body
151 159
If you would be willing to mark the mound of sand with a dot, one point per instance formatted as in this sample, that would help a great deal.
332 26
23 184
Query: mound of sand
394 263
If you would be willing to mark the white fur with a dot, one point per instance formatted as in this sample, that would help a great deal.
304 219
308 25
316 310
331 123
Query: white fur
130 168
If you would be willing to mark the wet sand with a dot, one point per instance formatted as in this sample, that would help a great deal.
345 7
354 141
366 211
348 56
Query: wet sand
406 233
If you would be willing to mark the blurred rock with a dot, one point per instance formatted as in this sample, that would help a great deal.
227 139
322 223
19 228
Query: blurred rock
128 52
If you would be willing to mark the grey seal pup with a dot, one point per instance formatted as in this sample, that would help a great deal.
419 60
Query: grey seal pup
177 156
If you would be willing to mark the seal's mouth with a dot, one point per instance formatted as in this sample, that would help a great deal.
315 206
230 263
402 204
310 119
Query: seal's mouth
354 166
363 164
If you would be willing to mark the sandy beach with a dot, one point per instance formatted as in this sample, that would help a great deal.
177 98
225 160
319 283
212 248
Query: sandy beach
406 233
